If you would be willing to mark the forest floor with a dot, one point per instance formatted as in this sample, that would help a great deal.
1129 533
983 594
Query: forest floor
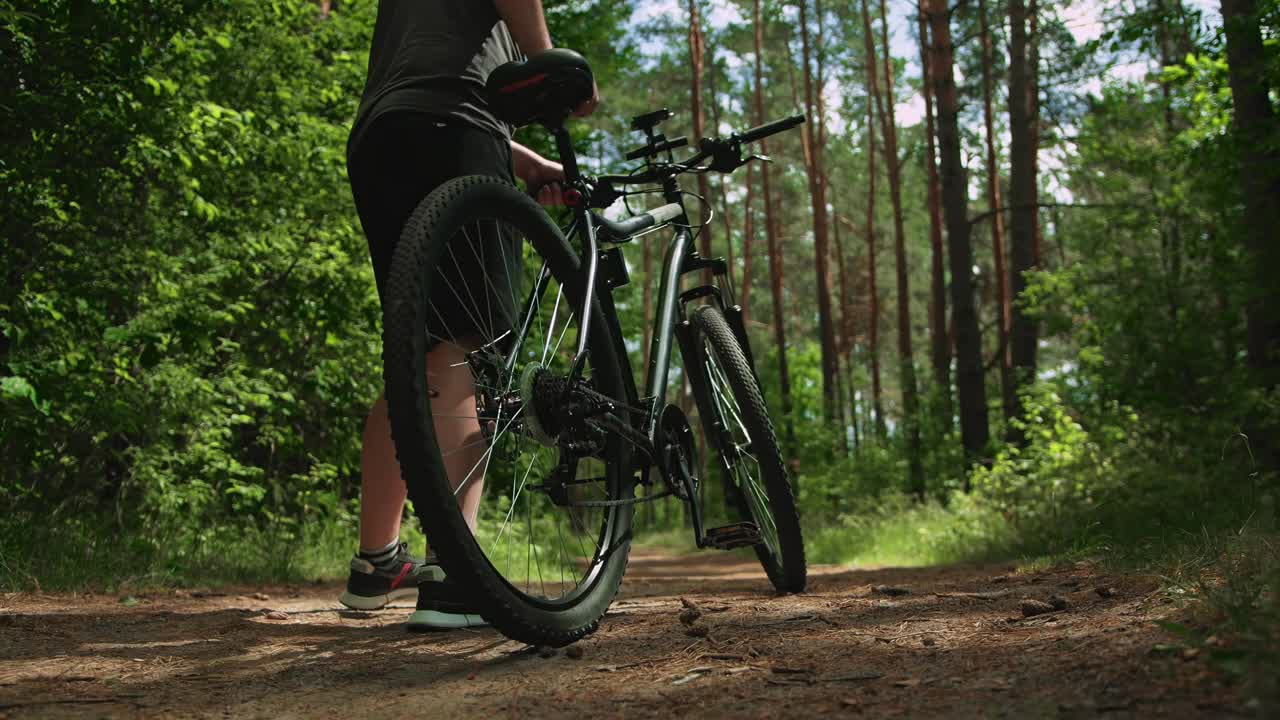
875 642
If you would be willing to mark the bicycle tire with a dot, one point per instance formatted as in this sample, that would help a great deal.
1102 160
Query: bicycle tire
727 372
516 613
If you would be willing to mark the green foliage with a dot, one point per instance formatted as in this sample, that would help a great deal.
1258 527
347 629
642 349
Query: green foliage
1230 586
894 529
189 331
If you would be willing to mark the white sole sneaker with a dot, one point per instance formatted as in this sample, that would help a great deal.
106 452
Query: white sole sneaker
427 620
377 602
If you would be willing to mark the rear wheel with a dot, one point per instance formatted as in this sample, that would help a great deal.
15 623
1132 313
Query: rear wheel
739 430
552 539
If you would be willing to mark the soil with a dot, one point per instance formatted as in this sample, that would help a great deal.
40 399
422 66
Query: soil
699 635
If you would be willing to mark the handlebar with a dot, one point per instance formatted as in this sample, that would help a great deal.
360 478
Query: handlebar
764 131
707 148
664 146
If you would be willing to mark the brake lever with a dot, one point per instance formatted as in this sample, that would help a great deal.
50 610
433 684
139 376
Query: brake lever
761 158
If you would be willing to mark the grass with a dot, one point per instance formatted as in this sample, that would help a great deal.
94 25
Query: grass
81 554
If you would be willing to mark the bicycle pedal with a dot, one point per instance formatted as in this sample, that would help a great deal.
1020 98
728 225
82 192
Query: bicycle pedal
729 537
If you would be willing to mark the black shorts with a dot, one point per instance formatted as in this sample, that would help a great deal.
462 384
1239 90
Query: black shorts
401 158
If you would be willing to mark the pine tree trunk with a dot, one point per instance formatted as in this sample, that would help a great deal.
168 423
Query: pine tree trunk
844 345
906 363
818 203
776 269
1255 125
970 379
939 345
1003 313
873 290
1024 331
697 49
726 218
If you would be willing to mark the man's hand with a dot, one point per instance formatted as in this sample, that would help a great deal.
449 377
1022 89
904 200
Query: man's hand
540 175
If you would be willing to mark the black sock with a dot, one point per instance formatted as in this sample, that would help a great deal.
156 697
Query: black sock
382 557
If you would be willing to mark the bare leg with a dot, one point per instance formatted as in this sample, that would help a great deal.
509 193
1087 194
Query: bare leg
457 429
382 490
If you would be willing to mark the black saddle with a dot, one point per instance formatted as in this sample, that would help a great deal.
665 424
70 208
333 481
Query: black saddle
543 89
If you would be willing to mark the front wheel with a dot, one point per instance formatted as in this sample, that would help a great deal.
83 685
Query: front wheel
739 429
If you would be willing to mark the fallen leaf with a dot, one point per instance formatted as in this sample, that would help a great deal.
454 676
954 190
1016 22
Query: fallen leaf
1035 607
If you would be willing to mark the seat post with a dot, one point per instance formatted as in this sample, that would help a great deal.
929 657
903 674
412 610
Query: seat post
564 145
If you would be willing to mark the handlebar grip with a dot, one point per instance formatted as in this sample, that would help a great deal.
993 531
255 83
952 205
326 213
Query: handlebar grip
663 146
764 131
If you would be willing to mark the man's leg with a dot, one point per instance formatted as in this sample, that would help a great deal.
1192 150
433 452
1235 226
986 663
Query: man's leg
462 445
453 403
382 491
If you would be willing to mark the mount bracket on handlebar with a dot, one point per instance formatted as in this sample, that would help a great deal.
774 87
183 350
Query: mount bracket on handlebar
649 120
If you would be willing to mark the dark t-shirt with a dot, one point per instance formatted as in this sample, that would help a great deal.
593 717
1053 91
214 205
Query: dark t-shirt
433 57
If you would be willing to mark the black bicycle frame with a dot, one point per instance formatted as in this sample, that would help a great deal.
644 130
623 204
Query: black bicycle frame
680 259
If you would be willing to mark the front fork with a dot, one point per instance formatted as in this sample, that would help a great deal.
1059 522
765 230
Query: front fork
692 354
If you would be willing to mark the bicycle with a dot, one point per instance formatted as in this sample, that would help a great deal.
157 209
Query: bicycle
564 424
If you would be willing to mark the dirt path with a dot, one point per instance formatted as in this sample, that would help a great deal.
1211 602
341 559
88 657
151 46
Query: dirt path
955 644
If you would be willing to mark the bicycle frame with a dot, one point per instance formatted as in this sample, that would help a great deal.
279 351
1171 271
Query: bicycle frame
680 259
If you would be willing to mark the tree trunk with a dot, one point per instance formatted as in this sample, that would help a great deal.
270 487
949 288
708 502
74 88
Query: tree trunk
775 253
873 292
697 50
939 345
970 379
1024 331
721 181
844 346
818 203
1003 313
906 363
1254 124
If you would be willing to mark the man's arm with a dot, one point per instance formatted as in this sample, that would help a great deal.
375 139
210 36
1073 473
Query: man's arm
527 24
542 176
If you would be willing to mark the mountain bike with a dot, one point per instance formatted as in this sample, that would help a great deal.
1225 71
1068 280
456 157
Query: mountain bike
570 443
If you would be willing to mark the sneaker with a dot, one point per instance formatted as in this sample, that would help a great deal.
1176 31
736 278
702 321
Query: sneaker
371 588
441 606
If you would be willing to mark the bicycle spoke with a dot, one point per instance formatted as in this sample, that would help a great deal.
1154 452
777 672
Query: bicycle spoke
559 561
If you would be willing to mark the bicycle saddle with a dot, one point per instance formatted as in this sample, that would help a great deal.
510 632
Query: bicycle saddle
545 88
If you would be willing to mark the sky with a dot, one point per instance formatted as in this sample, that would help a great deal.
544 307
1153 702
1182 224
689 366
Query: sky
1083 19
